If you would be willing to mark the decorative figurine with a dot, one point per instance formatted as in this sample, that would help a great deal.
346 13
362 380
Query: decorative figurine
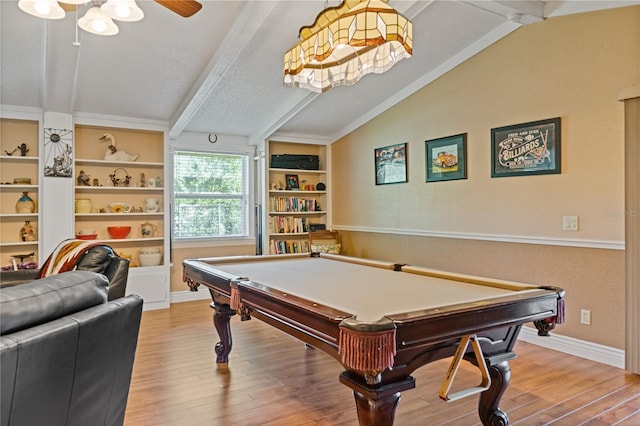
83 179
112 153
23 149
115 181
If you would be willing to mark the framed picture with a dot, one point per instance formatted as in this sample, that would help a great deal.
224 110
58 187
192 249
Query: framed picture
526 149
58 152
446 158
292 181
391 164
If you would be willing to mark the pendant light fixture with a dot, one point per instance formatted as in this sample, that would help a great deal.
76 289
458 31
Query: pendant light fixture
347 42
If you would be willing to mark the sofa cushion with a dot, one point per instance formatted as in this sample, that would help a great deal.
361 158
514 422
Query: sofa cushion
46 299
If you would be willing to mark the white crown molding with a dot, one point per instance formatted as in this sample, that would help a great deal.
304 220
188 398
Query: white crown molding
21 112
119 121
521 239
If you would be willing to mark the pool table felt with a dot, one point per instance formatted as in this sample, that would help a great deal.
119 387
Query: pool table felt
365 291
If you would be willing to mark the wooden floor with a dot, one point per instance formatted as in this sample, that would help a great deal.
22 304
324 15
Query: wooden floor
273 380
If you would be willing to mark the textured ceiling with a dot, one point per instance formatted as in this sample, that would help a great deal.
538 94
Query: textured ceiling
220 71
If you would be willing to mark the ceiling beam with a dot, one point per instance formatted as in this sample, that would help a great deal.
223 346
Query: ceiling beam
252 17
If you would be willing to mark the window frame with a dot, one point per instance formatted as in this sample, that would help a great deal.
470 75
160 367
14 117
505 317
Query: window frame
249 238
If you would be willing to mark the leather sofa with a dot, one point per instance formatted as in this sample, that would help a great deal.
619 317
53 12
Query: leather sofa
101 259
66 352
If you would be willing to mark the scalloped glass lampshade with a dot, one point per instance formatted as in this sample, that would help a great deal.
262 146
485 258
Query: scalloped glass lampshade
347 42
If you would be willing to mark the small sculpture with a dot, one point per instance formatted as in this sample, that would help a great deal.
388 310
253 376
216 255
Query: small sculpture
112 153
23 149
83 179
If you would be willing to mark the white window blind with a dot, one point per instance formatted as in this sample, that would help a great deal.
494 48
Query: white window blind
210 195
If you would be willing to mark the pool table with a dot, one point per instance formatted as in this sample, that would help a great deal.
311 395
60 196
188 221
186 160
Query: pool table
380 320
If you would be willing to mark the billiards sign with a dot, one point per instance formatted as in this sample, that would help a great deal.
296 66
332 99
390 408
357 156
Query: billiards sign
526 149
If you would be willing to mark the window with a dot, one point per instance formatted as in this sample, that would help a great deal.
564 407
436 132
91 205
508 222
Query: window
210 195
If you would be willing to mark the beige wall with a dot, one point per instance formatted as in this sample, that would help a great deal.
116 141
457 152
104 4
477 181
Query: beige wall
570 67
180 254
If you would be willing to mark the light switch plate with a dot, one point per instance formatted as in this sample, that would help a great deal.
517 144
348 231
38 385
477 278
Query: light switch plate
569 223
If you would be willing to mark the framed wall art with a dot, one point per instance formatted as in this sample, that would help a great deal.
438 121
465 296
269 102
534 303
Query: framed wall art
526 149
391 164
292 181
58 152
446 158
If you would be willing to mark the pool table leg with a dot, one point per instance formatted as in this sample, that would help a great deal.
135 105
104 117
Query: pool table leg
490 413
221 316
376 406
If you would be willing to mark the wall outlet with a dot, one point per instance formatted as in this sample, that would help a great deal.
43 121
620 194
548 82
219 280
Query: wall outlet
585 316
569 223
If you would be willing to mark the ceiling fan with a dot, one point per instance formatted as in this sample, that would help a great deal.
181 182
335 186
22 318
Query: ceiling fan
184 8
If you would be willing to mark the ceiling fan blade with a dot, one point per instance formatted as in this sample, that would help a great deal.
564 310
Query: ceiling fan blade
184 8
67 7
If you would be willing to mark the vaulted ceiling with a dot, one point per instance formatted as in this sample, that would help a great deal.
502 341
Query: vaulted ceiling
220 71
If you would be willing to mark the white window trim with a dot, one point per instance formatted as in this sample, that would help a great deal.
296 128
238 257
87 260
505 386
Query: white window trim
186 144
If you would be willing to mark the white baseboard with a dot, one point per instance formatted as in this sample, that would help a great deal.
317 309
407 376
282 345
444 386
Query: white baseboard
189 296
569 345
580 348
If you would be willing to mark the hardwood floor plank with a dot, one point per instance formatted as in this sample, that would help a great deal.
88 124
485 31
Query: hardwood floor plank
633 420
272 380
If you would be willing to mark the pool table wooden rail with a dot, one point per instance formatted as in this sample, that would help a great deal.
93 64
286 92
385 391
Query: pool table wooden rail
421 336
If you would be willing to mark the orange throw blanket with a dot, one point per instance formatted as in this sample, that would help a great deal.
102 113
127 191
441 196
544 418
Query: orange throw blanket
66 256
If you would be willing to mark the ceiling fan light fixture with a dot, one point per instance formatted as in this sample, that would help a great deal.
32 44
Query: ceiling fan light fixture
95 22
347 42
122 10
47 9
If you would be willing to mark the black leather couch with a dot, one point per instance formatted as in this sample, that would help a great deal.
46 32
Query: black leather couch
102 259
66 352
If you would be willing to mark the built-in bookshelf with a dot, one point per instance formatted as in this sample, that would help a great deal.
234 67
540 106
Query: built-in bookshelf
125 190
19 179
292 211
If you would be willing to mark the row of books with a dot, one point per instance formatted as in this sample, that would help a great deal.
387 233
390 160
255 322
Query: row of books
293 204
289 246
288 225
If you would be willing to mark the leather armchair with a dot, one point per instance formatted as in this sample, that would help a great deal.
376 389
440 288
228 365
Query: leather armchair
66 352
101 259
